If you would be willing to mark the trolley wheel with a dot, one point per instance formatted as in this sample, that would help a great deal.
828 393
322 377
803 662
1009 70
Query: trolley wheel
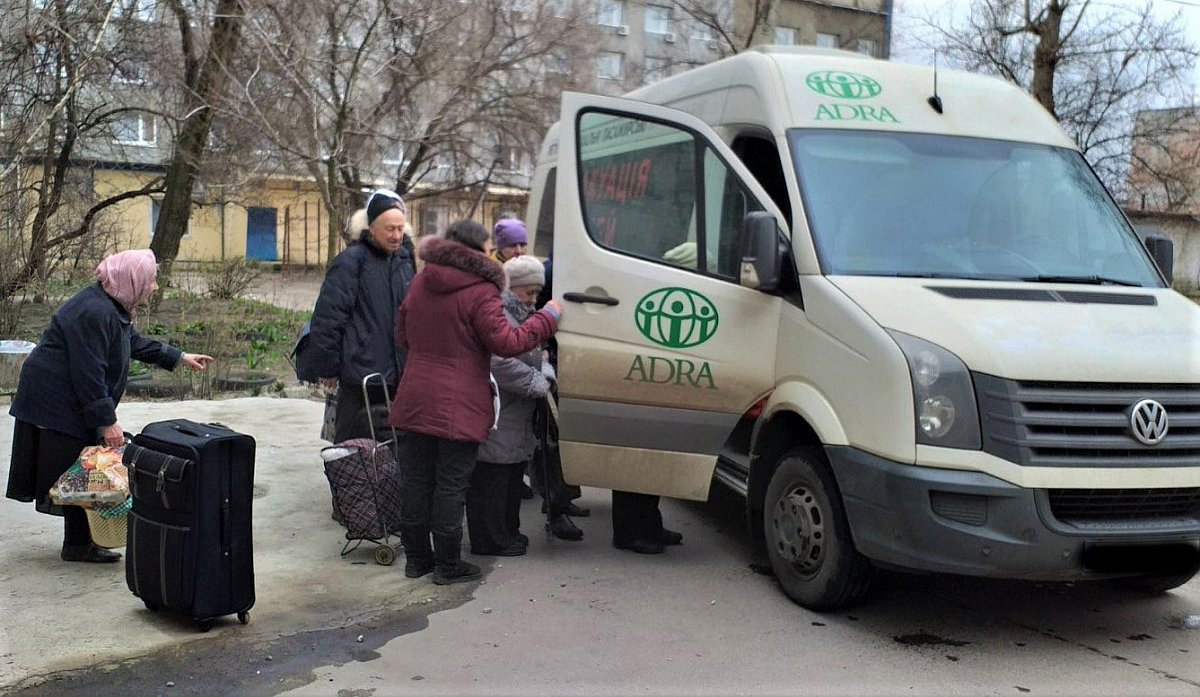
152 607
244 616
204 625
385 555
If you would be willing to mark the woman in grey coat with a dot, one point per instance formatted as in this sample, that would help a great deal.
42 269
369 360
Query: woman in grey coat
494 499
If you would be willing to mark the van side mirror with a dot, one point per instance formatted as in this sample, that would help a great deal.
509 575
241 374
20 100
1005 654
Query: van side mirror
762 260
1162 250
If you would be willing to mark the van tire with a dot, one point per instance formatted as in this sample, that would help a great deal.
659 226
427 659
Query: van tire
1155 584
807 537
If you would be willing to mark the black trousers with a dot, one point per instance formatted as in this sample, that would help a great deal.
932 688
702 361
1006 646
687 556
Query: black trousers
494 505
351 418
635 517
437 474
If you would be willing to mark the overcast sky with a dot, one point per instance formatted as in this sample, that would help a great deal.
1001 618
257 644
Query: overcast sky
906 10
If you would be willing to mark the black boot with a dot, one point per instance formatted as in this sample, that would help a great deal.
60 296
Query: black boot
447 552
418 553
563 528
89 553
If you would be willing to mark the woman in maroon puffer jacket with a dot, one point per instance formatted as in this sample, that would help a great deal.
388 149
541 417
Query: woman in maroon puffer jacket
450 324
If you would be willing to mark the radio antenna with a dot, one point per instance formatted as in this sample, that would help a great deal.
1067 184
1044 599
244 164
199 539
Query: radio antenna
935 101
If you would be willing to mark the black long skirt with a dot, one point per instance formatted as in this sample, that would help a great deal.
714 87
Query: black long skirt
39 458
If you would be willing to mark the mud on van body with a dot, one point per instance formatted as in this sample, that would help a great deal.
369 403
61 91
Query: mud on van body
912 332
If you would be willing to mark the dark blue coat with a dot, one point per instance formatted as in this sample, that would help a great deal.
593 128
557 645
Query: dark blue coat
352 333
74 379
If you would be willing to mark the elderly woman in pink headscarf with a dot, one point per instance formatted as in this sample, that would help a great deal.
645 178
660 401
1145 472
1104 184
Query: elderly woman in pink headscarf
72 382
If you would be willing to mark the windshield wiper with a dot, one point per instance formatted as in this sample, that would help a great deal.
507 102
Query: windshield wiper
1092 280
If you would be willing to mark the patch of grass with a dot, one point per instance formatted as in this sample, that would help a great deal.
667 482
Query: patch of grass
241 334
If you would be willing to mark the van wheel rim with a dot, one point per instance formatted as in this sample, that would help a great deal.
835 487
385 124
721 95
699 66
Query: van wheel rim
799 530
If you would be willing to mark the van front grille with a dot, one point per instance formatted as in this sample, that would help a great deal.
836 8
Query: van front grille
1068 424
1092 506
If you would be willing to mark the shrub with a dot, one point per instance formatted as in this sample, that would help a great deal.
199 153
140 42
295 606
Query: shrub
232 278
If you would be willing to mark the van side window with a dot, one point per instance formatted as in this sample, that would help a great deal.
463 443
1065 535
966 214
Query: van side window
642 184
761 157
544 242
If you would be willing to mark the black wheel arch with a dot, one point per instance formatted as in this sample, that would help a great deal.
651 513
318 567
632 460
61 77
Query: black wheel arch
771 441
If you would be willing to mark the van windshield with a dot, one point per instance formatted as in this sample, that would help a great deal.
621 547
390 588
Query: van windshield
905 204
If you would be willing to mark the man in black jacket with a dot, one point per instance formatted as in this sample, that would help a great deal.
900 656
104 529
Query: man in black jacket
352 331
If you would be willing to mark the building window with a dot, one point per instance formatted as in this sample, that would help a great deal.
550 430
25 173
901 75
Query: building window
140 10
700 31
658 19
610 65
866 46
827 40
131 70
155 209
510 159
656 69
786 36
394 155
611 13
135 128
432 220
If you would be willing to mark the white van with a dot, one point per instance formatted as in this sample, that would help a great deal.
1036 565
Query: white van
911 328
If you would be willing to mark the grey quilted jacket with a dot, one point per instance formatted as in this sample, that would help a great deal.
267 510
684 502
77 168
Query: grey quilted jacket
522 385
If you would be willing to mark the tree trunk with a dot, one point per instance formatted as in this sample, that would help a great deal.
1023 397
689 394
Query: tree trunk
1046 56
192 140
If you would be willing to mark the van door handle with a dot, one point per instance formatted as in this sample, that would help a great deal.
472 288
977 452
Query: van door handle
585 298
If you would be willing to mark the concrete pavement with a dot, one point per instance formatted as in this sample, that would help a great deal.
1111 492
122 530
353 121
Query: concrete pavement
60 616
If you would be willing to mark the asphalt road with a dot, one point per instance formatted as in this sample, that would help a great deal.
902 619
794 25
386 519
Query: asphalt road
583 618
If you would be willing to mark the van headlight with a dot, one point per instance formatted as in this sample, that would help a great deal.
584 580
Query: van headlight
943 395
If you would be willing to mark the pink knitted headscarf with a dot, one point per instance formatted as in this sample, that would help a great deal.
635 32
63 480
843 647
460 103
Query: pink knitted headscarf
127 276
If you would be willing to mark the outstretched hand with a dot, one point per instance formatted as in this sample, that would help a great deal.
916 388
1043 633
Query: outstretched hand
196 361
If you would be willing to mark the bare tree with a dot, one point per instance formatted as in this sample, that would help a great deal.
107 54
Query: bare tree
59 63
1091 65
427 95
205 76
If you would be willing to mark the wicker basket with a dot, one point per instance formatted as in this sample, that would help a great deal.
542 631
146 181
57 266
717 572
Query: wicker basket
107 532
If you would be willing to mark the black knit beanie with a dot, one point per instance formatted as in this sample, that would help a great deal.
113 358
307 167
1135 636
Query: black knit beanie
382 200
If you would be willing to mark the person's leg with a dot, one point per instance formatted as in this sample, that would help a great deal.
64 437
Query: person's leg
77 539
455 462
347 422
418 458
633 522
513 486
486 514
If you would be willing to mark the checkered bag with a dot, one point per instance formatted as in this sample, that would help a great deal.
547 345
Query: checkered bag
365 479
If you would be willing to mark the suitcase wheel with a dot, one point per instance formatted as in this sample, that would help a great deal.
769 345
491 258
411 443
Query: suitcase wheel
150 606
244 616
385 555
204 625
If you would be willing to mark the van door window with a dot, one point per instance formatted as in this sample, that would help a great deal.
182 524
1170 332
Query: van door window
640 183
544 242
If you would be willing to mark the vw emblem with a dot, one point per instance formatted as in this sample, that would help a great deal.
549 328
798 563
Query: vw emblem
1148 421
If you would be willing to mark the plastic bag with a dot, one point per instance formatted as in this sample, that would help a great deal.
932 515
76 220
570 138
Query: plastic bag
97 478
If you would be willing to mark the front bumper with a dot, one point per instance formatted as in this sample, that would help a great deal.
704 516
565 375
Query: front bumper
952 521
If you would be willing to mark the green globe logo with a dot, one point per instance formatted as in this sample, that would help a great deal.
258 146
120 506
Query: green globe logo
676 317
834 83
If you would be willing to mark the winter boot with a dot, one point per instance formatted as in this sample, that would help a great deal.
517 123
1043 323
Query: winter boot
562 527
418 553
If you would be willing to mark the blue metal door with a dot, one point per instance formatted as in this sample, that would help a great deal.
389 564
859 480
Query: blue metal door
260 234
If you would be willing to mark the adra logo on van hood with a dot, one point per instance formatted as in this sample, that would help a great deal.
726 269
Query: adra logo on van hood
676 317
835 83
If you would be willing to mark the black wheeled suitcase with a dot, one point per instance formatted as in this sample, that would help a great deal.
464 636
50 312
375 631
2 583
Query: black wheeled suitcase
189 544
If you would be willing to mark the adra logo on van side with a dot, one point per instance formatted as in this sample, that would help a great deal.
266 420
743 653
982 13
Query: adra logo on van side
674 318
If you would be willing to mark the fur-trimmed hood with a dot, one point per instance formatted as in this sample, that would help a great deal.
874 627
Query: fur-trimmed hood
450 266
